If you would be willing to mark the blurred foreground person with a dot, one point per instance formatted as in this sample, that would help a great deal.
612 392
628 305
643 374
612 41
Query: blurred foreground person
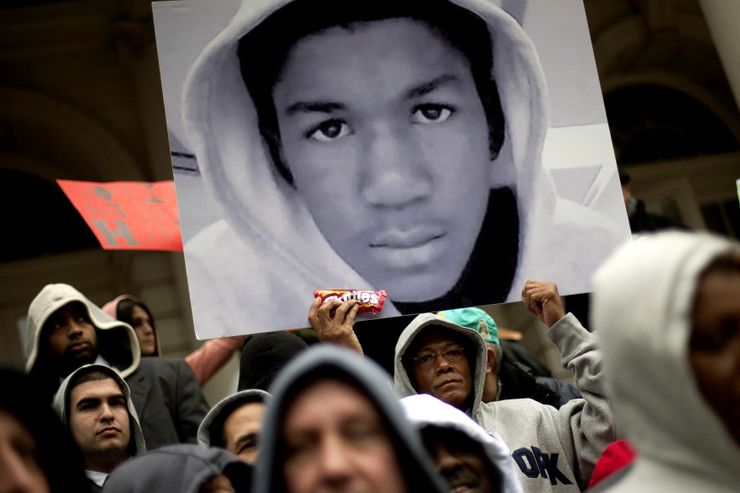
183 468
334 424
37 454
468 457
95 404
668 308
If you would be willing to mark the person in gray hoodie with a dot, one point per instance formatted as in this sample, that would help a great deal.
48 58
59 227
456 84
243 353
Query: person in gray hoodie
94 402
182 468
67 330
334 424
235 422
554 449
668 308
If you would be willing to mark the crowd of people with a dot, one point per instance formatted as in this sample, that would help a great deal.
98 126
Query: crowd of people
653 405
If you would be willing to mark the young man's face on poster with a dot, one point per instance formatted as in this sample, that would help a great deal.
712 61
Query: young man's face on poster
386 137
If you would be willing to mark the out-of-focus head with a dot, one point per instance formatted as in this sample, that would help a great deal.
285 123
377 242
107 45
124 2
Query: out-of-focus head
714 344
182 468
20 471
342 446
667 307
37 454
460 460
467 456
333 424
235 424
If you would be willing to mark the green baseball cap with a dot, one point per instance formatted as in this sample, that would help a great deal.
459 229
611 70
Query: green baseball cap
470 318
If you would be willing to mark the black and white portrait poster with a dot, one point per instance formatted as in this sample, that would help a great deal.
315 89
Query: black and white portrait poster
443 150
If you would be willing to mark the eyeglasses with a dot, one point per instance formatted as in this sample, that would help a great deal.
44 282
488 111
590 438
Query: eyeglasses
426 360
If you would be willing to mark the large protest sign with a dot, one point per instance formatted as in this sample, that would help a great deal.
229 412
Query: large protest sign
442 151
128 215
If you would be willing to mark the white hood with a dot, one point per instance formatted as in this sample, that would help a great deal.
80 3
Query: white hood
641 309
424 410
269 234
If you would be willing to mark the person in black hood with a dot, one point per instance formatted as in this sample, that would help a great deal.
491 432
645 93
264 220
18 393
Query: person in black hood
37 453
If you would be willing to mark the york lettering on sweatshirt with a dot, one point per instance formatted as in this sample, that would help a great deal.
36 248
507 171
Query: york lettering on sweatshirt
534 463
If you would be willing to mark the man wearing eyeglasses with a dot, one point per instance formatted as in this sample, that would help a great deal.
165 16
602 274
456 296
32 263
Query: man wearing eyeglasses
553 449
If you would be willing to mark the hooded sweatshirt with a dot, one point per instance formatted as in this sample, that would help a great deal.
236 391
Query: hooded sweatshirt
269 250
226 404
642 309
117 343
424 410
206 360
182 468
329 362
62 401
164 390
553 449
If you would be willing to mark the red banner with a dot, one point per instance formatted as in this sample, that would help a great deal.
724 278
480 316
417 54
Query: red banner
128 215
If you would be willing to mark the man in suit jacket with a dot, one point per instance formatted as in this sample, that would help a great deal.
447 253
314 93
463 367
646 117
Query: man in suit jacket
66 330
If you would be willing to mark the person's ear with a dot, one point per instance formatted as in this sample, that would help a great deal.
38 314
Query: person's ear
490 360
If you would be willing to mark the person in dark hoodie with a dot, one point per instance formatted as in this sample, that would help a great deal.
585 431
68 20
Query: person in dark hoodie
37 453
183 468
235 422
334 424
66 330
94 402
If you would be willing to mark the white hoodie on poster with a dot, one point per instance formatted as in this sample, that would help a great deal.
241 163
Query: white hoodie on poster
267 252
642 308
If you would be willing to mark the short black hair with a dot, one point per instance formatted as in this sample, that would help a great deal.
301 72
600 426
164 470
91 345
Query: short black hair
263 52
95 375
216 428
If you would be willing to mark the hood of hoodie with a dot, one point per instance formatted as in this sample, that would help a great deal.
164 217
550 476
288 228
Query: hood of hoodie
641 309
111 308
327 362
220 122
401 379
424 410
61 401
117 342
182 468
244 396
